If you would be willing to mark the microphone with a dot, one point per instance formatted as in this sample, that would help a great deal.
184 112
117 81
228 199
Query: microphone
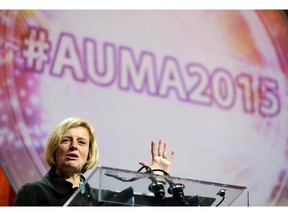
222 194
158 188
177 191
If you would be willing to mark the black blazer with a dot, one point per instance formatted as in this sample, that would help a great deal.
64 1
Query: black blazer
52 190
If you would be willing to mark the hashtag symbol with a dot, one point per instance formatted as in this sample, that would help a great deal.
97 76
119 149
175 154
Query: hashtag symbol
35 49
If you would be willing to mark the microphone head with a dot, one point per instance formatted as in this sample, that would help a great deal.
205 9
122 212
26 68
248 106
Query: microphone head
158 188
176 189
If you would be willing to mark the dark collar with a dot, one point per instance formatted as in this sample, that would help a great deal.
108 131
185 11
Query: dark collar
57 183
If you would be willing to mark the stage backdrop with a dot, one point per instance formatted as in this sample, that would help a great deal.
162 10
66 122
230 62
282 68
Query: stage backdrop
212 83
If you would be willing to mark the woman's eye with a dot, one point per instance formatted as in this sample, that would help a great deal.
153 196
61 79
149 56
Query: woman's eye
65 140
81 142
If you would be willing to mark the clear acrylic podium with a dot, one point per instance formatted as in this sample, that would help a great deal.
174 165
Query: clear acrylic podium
119 187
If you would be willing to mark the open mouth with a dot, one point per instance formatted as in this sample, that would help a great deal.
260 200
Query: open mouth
72 156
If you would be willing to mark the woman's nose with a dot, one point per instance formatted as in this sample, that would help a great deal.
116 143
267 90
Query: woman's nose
74 143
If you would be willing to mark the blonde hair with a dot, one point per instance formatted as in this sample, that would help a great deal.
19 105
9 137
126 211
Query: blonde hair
56 135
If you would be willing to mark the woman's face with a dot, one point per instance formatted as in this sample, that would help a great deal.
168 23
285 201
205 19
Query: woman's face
72 152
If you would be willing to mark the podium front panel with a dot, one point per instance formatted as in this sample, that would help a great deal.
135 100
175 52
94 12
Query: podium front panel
119 187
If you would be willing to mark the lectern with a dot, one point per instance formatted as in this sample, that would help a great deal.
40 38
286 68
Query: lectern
119 187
